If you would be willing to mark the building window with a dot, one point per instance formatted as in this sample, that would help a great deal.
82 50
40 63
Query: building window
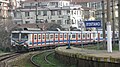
65 21
39 4
77 12
15 14
72 12
52 12
68 21
53 21
27 14
72 21
39 12
44 13
59 21
59 12
80 12
68 11
27 22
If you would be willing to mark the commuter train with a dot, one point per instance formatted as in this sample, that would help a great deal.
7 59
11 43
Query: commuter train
26 40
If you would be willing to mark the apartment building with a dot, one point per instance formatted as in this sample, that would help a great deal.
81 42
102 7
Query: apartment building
57 11
4 8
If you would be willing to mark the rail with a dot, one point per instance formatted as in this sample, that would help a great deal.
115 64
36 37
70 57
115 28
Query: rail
6 57
38 65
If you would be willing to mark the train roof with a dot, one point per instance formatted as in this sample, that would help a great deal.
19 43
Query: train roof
36 32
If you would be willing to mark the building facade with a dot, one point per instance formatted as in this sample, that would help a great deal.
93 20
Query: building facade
4 8
60 12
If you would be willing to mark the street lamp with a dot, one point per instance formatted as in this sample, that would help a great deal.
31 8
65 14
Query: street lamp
36 12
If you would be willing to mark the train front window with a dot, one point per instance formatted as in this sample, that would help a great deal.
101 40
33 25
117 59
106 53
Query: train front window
15 35
24 36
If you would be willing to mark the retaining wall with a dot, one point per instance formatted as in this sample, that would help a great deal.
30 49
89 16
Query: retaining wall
81 60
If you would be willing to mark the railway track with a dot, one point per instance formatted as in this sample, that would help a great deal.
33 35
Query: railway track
5 58
45 58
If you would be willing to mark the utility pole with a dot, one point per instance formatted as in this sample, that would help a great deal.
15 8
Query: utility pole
109 35
36 12
119 21
103 22
21 6
113 21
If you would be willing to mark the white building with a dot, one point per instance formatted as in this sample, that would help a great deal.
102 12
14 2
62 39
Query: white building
4 8
60 12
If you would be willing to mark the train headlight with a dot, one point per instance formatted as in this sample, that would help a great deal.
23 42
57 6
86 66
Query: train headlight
24 45
13 45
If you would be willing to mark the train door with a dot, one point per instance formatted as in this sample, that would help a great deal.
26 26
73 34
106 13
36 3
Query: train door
73 38
35 40
65 38
61 38
39 39
43 35
56 38
47 39
79 37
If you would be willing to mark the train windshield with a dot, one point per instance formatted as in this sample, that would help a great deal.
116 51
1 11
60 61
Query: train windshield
20 36
15 36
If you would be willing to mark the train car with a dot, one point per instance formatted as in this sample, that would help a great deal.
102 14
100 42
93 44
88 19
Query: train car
26 40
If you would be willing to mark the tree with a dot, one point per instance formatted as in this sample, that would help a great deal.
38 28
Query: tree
6 26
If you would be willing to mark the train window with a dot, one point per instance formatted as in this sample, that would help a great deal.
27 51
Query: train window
88 35
79 35
83 35
43 37
39 37
60 36
93 34
73 36
51 36
115 35
65 36
101 35
56 36
35 37
15 35
69 36
47 36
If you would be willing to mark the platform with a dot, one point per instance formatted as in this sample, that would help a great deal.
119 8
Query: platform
95 55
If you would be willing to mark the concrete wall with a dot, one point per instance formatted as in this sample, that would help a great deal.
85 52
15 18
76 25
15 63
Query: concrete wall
73 59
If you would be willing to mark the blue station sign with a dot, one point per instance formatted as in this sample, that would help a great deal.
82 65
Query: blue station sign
89 24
